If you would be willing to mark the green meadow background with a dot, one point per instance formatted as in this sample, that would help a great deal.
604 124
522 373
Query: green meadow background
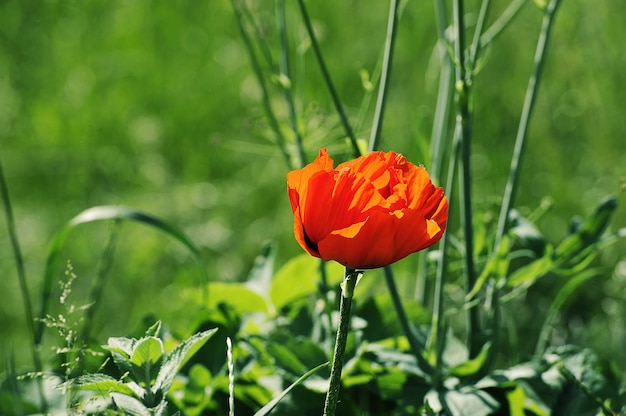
153 105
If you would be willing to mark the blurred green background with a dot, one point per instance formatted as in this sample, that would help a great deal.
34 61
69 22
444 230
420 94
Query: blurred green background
153 105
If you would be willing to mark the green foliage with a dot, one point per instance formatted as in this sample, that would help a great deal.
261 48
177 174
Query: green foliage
148 372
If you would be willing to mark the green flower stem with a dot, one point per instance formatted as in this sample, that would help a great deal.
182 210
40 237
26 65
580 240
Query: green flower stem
464 133
327 79
379 114
527 110
347 291
436 343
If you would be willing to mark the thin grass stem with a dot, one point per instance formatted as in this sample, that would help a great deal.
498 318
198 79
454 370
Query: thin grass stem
480 24
502 22
442 110
438 142
265 97
532 89
436 341
285 76
464 132
328 80
21 277
379 113
416 347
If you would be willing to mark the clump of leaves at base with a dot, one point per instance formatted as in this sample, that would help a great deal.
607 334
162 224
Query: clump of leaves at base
148 373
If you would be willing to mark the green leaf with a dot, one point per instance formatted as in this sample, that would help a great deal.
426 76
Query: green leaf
270 406
154 330
590 231
473 366
530 273
100 383
468 402
300 277
146 360
121 350
130 405
238 295
124 346
103 213
178 357
286 358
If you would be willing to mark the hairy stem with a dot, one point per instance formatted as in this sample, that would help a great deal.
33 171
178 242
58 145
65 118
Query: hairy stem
347 291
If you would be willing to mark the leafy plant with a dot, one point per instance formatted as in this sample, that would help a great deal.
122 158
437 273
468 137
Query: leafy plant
148 372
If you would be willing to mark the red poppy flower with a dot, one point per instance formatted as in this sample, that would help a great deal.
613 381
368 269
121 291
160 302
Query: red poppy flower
368 212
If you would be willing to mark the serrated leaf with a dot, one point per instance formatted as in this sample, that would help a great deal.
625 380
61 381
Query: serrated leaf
100 383
154 330
120 345
146 359
130 405
121 349
178 357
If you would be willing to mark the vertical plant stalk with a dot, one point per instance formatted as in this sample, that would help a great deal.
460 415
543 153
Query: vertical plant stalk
392 23
327 79
436 342
442 110
416 348
285 77
231 377
258 72
439 132
527 111
390 39
21 277
498 26
347 291
19 264
480 23
464 134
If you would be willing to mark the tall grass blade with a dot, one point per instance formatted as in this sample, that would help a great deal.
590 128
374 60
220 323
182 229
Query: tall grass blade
285 74
258 72
532 89
21 277
464 133
379 113
328 80
272 404
104 213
